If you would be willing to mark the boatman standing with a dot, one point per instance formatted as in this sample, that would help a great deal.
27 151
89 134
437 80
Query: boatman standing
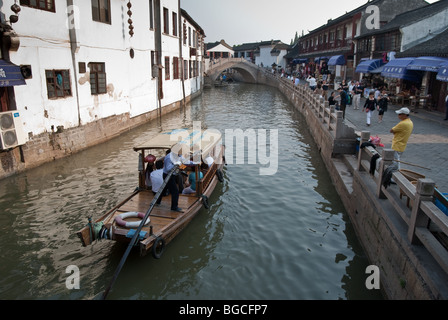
173 157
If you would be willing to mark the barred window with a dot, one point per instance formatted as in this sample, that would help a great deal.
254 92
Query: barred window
47 5
97 78
166 22
167 68
175 24
101 11
176 68
58 83
151 14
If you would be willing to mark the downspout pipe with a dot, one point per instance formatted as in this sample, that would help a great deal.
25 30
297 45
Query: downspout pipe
74 46
180 27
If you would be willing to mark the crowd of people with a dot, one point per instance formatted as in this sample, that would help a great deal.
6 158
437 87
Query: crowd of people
350 94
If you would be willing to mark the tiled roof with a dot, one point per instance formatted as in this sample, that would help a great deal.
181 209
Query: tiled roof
411 17
437 46
255 45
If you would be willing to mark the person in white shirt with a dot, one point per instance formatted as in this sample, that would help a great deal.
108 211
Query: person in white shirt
312 82
157 176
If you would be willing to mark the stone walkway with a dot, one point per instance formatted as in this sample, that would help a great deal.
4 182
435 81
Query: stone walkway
427 146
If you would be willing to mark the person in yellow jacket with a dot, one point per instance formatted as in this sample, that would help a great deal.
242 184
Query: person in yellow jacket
402 131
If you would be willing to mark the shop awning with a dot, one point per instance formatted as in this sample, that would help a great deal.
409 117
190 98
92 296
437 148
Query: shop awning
442 75
431 64
370 66
299 61
319 59
10 75
336 61
397 68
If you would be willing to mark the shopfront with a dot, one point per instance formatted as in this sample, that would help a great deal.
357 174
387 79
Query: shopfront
434 89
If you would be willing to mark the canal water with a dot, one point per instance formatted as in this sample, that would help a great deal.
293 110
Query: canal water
285 236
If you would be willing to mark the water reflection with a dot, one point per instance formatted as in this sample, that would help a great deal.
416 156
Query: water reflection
285 236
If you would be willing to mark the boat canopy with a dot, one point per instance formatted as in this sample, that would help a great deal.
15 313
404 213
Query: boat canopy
191 140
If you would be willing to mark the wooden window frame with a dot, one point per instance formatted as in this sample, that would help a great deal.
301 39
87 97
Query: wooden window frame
166 21
186 63
104 16
175 23
151 14
52 79
176 73
189 36
98 71
48 5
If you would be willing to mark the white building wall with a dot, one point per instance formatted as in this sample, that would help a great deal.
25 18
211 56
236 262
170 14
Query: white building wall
45 45
265 57
423 30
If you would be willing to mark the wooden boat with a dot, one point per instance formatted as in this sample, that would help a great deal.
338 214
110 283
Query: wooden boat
219 83
120 223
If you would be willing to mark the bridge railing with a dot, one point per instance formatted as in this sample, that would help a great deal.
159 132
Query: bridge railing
417 202
217 63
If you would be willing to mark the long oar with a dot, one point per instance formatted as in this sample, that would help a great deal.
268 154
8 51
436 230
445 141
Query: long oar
411 164
134 238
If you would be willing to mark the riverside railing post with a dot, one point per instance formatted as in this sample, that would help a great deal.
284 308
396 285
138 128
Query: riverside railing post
321 107
365 137
387 159
327 108
330 121
339 124
424 192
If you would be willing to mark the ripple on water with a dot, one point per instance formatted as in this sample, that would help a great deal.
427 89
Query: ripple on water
284 236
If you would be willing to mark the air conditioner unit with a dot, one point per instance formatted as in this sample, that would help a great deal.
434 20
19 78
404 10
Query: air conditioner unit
12 133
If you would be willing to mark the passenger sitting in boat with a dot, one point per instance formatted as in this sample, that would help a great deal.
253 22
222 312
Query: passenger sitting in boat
192 183
157 176
150 159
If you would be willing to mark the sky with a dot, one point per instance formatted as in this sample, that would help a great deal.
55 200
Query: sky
245 21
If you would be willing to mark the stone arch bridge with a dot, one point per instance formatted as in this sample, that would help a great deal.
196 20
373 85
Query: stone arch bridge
247 71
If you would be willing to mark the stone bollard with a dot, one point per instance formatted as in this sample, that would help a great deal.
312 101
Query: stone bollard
365 137
339 125
424 192
387 160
